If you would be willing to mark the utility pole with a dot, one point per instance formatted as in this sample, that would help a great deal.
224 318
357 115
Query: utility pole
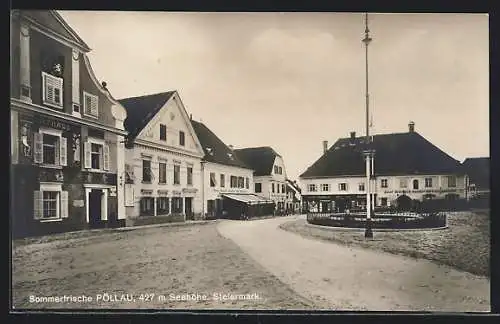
368 153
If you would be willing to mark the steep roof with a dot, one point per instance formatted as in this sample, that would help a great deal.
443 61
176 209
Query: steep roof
215 149
395 154
478 170
260 159
140 110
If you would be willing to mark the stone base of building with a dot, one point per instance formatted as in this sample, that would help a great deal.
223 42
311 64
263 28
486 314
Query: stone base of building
151 220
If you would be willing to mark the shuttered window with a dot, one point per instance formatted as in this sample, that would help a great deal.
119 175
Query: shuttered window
50 148
96 155
90 104
49 204
52 90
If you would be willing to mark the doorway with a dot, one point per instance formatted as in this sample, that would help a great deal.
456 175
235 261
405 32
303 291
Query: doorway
95 211
189 208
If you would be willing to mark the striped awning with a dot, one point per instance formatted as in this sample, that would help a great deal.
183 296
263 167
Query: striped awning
251 199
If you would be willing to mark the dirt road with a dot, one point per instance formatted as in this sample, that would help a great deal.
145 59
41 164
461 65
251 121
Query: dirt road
344 278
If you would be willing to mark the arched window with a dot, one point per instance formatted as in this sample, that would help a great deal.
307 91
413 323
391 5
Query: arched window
415 184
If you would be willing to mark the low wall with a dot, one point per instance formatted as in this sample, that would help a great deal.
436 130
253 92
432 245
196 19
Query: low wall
380 221
150 220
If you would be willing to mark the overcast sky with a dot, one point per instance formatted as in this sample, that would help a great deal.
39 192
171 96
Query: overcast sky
292 80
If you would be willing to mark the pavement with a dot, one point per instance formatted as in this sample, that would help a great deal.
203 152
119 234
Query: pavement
337 277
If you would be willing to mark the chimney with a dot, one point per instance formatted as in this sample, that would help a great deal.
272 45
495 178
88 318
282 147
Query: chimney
353 135
104 84
190 116
325 146
411 127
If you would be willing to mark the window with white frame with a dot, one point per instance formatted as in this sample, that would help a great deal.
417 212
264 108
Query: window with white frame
50 202
50 148
222 180
52 88
361 186
177 174
213 182
343 186
233 181
258 187
428 182
162 205
189 175
247 183
90 104
452 181
277 188
311 187
96 154
383 183
283 188
147 173
162 173
272 187
325 187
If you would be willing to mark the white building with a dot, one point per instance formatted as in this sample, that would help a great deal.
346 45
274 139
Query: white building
228 184
407 167
163 159
269 175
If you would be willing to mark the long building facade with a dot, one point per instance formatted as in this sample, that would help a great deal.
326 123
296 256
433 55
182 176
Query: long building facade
407 167
67 134
227 182
163 159
269 174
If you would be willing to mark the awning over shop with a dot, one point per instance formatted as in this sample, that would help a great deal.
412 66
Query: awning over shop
250 199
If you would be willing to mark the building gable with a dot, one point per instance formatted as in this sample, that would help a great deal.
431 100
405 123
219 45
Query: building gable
51 21
173 117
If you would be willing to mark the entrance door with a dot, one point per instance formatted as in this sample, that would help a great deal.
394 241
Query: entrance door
189 208
95 217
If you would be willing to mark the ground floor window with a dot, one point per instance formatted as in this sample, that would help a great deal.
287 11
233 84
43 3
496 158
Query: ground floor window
383 201
147 206
162 205
50 202
177 205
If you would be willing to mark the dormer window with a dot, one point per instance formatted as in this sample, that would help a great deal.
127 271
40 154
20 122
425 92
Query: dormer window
230 155
52 88
90 105
209 150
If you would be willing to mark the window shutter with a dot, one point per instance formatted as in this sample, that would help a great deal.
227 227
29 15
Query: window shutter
64 204
87 162
49 92
38 154
106 157
63 151
37 205
93 106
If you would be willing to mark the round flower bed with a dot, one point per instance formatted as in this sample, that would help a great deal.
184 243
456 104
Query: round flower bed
380 220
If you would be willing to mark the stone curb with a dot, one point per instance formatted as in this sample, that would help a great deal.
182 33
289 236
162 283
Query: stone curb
349 229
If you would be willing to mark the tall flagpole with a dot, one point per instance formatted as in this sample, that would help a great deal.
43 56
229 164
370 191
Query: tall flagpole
368 153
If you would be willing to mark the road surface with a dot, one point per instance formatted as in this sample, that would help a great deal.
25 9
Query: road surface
337 277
